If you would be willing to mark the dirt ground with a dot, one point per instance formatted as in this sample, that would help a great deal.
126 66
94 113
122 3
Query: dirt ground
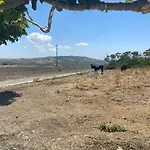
65 114
8 72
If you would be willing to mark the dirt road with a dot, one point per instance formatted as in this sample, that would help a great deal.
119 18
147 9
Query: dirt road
21 72
66 113
35 79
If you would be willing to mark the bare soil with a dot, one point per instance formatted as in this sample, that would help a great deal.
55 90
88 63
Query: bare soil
65 114
8 72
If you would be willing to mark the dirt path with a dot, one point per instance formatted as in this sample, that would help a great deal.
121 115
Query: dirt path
40 78
16 72
66 113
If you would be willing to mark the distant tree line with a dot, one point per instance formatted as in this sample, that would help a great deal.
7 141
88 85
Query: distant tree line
130 58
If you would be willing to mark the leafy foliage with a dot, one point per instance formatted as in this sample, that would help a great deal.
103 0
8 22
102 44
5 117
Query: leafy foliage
147 53
111 128
131 59
129 1
12 24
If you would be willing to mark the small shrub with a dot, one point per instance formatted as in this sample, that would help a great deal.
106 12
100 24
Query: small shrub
113 128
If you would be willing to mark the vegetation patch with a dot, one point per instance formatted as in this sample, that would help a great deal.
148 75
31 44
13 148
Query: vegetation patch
132 59
111 128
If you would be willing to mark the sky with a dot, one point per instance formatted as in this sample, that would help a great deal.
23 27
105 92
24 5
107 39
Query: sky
93 34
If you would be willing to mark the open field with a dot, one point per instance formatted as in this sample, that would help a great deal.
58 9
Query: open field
14 71
66 113
43 66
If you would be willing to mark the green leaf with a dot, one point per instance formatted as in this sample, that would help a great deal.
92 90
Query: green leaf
12 24
129 1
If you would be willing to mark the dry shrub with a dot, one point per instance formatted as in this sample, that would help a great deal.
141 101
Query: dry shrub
140 71
140 74
126 79
134 77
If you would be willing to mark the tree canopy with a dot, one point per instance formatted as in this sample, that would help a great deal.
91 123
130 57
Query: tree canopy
129 58
14 16
12 24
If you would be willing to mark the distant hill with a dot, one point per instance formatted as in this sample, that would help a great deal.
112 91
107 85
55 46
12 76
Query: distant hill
65 61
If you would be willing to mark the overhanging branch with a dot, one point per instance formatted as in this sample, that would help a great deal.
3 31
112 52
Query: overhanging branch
46 29
137 6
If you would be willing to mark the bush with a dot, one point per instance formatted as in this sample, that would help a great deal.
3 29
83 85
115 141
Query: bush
111 128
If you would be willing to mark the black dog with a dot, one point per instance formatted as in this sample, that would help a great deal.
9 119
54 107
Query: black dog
96 68
123 67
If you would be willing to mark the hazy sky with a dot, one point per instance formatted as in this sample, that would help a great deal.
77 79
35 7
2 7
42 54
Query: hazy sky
91 33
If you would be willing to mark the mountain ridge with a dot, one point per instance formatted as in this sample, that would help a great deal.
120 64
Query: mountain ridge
51 60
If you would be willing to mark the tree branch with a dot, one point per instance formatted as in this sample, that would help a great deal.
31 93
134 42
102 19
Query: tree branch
137 6
47 29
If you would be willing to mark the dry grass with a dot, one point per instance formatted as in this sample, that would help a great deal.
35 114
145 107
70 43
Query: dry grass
65 113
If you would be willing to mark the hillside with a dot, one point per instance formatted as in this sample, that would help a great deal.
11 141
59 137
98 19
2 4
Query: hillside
63 61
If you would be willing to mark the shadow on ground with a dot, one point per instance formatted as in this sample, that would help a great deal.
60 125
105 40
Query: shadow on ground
8 97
